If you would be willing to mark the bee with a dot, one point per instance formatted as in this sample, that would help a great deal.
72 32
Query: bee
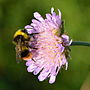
21 40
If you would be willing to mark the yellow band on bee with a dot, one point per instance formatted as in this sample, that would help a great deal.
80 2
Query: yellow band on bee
19 32
24 48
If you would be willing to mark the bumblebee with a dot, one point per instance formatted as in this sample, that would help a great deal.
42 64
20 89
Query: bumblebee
21 40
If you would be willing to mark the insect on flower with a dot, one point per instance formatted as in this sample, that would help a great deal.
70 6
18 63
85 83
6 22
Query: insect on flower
21 40
48 46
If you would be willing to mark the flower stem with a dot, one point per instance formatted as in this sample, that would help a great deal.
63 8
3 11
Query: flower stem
80 43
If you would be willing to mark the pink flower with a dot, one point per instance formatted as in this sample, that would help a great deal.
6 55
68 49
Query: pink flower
50 53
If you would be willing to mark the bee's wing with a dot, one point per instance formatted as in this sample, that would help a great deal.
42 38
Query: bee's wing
18 51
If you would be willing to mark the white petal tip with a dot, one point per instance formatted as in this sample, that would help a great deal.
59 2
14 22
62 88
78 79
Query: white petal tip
70 42
31 68
38 16
28 27
52 9
59 13
66 66
40 78
52 79
28 69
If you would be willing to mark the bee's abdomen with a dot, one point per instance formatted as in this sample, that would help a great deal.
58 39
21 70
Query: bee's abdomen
24 53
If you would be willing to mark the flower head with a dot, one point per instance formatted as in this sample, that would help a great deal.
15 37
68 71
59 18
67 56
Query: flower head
49 46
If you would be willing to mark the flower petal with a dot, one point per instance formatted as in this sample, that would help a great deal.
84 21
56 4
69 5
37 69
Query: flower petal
52 79
43 75
31 68
38 16
50 48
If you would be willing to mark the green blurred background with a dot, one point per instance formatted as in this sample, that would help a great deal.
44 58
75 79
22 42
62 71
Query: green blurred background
15 14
